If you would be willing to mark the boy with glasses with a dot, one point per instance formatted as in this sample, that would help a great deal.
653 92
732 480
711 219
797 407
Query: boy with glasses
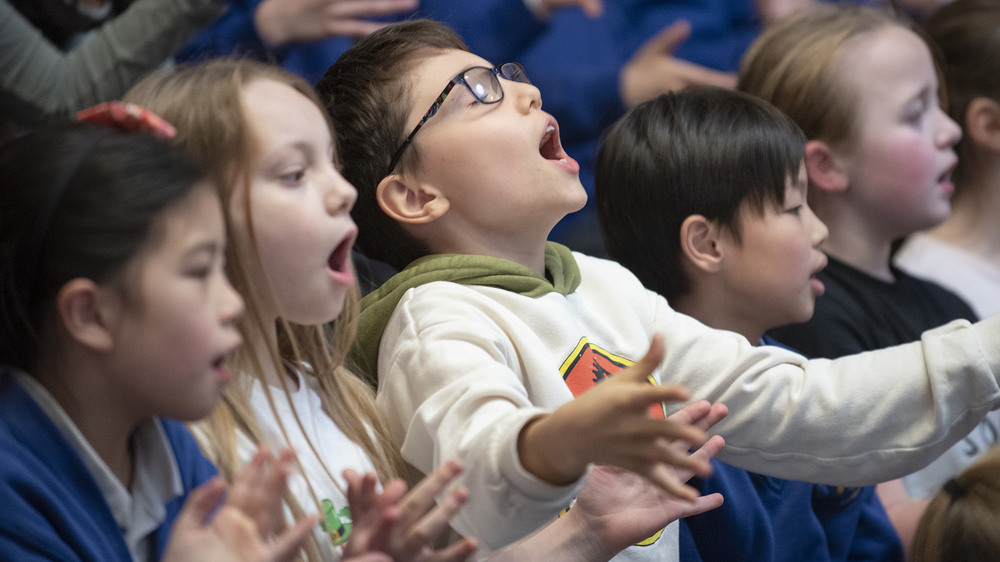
481 343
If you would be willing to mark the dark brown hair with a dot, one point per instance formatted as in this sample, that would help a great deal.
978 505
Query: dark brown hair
366 93
704 151
967 34
78 200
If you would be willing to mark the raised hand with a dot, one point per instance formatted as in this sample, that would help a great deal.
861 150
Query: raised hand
653 70
609 424
592 8
241 529
619 508
279 22
405 526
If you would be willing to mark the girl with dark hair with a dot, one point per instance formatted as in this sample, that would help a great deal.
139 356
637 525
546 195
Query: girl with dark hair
116 314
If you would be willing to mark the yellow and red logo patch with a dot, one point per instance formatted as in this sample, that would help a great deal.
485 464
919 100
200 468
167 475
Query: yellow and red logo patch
588 365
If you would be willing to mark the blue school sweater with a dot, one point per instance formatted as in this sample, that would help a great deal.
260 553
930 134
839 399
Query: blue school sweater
766 519
50 505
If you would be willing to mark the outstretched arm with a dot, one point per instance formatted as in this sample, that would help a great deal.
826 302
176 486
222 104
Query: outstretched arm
617 508
609 424
38 81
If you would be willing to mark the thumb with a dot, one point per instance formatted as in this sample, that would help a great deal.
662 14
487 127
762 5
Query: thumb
644 367
668 39
201 503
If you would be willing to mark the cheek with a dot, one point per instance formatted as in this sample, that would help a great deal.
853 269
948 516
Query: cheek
903 167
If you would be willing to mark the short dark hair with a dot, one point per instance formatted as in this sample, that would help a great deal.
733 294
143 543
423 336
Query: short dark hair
366 94
78 201
706 151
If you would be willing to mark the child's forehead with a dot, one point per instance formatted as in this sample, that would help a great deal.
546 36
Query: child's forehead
885 60
435 71
279 115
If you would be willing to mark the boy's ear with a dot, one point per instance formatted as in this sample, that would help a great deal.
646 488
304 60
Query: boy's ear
88 313
700 243
824 167
982 123
409 201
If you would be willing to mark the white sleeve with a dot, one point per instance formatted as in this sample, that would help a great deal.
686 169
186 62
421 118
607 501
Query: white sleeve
854 421
450 383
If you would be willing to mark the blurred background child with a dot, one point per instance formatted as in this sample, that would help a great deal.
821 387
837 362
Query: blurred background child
963 253
864 89
960 524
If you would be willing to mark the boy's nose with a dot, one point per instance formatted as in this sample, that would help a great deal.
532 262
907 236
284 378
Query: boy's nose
527 96
817 228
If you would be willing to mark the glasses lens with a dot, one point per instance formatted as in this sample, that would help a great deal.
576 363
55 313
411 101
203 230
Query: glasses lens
484 85
514 72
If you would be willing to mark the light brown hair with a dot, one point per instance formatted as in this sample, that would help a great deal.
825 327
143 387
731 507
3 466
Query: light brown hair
204 103
366 93
962 522
796 66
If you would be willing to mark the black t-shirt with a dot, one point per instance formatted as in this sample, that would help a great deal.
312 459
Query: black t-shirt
860 313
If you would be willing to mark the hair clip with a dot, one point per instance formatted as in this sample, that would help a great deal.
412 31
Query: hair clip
954 488
127 118
115 117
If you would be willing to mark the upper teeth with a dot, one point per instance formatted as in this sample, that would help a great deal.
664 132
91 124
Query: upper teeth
547 135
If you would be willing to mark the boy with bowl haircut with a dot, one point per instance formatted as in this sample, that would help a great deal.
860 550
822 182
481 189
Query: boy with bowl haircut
702 194
480 345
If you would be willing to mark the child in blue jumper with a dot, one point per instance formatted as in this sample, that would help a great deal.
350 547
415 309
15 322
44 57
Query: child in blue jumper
116 315
717 222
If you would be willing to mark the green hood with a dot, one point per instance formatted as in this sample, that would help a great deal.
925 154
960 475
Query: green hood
377 307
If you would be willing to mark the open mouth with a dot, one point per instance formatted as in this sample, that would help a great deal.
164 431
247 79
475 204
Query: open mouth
946 176
821 267
221 372
338 258
550 147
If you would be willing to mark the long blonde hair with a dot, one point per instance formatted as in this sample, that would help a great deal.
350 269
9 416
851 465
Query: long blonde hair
204 103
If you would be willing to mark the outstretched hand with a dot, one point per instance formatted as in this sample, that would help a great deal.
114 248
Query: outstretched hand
404 525
279 22
653 70
609 424
241 529
620 508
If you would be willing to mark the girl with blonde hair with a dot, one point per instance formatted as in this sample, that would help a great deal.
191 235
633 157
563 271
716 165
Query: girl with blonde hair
865 90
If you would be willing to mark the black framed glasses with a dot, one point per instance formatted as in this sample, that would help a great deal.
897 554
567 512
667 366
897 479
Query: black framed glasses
484 85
